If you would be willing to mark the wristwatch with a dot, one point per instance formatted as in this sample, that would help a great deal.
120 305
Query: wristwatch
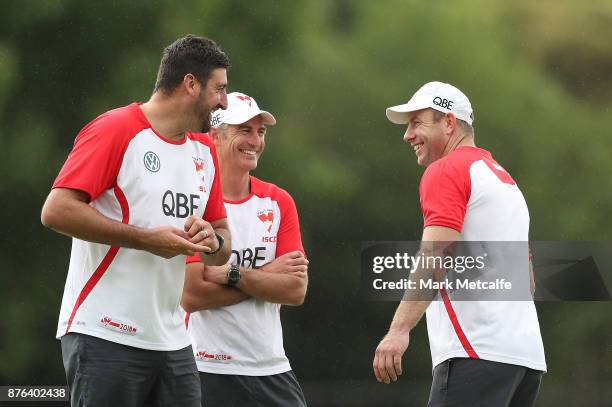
221 240
233 275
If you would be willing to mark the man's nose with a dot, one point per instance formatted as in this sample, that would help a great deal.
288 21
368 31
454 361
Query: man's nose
408 135
254 138
223 101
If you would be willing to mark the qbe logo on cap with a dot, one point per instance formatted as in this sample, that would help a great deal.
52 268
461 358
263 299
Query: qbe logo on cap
216 118
439 96
445 103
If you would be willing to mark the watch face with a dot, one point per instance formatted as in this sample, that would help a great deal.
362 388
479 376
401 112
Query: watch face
233 276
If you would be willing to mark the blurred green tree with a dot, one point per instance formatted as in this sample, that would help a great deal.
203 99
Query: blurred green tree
538 77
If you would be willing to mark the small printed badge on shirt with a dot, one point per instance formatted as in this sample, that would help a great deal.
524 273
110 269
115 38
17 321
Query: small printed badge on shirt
151 161
118 326
199 167
212 357
267 217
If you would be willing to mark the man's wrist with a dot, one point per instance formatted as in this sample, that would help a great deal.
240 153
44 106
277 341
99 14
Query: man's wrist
220 242
400 327
399 331
139 238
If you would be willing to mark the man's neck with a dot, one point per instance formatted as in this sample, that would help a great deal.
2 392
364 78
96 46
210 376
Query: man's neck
461 140
236 184
167 116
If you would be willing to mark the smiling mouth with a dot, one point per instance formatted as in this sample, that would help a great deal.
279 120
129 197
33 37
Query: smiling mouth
248 152
417 148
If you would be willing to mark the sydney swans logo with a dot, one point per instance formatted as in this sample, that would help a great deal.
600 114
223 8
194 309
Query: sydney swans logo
267 217
199 167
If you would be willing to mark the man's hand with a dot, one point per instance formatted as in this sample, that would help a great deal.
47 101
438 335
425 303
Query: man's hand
202 233
292 262
388 356
68 211
282 281
168 241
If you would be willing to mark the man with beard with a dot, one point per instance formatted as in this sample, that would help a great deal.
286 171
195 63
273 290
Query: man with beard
235 324
140 191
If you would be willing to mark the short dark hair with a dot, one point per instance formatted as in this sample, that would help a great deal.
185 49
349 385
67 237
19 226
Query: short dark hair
191 54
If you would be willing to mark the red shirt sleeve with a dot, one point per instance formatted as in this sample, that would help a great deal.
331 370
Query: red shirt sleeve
289 237
445 191
94 162
193 259
215 209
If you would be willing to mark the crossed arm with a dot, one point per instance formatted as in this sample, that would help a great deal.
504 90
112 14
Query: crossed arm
282 281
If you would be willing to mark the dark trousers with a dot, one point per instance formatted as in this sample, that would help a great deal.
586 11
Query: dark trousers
482 383
279 390
101 373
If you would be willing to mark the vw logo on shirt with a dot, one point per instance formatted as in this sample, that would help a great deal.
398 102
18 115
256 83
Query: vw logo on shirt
151 161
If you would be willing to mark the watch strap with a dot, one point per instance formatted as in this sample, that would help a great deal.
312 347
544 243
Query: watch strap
221 241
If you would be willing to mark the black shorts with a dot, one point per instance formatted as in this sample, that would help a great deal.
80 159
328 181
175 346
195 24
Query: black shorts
220 390
476 382
103 373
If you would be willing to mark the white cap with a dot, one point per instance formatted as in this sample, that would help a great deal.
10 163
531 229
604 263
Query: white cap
240 109
439 96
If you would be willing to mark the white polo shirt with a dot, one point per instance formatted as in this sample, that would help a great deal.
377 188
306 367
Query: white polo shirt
467 190
247 338
135 176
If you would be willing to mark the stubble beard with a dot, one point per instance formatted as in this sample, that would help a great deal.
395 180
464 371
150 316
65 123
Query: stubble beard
206 124
204 115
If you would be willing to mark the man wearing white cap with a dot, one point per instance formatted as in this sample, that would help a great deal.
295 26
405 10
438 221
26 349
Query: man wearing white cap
234 323
485 353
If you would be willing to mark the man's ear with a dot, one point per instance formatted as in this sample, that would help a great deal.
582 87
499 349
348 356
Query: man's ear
191 85
450 123
214 134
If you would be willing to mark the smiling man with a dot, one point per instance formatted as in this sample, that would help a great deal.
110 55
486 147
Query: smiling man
234 324
485 353
133 202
